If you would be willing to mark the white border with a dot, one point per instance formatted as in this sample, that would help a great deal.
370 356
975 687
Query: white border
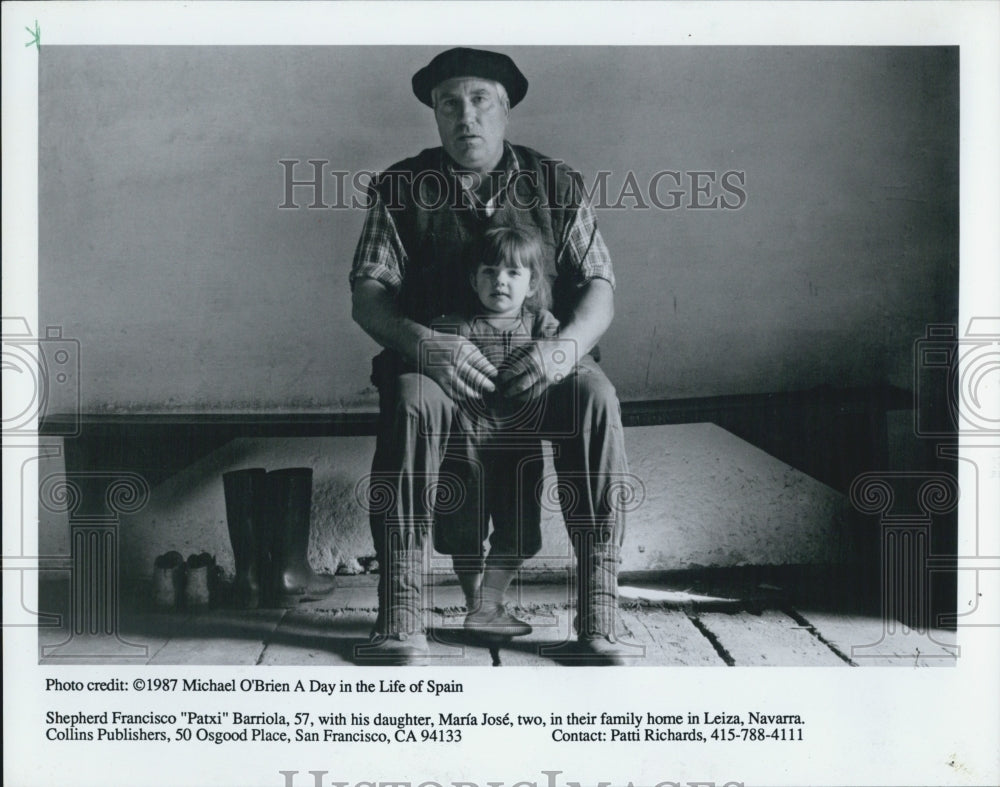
876 726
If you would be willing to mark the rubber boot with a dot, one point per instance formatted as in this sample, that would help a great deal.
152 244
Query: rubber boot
289 509
399 638
245 500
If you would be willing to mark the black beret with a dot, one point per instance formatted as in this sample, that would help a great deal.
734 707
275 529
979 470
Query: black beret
464 62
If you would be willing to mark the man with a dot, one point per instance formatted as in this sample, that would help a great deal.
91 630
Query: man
424 215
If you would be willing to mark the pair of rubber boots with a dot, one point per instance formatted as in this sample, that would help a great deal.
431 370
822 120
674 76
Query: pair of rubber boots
268 515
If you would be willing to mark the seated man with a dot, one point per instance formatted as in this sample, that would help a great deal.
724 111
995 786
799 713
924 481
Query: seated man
408 269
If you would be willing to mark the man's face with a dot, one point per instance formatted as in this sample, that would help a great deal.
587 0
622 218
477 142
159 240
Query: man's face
471 119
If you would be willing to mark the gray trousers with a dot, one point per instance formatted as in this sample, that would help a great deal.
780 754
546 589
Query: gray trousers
420 426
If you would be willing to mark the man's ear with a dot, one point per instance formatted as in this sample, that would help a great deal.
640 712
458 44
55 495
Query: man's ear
472 280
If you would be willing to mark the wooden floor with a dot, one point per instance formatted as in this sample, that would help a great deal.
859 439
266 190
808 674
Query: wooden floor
662 627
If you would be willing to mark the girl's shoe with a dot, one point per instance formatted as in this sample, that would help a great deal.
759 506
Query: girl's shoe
494 621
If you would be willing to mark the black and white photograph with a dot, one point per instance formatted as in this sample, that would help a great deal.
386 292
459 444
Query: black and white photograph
421 337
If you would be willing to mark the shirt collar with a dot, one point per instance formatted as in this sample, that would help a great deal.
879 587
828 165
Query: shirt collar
509 165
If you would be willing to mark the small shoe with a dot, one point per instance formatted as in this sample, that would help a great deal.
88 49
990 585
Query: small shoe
394 650
495 622
200 575
168 580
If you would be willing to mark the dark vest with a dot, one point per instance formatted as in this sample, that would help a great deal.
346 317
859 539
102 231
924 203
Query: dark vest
438 225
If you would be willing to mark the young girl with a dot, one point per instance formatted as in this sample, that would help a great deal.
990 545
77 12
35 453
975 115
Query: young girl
494 453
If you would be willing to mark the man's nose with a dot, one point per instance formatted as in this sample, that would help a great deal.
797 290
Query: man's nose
468 112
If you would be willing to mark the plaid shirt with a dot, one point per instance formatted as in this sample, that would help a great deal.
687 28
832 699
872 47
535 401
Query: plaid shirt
380 254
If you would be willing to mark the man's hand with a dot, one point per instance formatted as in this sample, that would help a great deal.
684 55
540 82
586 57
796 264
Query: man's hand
451 361
456 364
534 367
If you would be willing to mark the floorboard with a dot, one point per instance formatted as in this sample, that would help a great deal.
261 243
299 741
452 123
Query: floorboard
667 627
869 643
771 638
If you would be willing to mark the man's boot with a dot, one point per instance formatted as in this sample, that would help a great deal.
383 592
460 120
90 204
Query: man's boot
597 604
398 638
289 509
245 498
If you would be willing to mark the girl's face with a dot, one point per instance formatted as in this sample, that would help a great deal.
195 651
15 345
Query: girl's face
502 287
